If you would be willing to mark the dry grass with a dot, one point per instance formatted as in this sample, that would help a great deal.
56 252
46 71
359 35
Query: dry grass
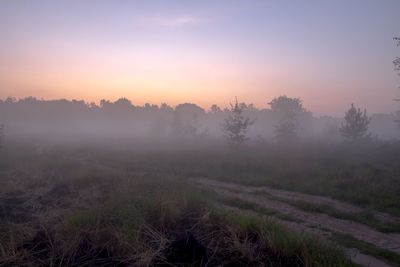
74 214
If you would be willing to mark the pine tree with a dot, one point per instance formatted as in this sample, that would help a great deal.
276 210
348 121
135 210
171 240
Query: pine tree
356 124
236 125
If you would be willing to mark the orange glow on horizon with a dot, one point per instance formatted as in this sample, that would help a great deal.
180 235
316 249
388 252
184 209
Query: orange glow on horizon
176 53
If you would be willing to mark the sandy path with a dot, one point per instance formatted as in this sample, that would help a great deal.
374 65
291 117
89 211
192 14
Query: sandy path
290 195
362 232
355 255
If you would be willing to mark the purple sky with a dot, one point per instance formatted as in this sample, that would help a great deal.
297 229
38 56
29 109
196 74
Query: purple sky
328 53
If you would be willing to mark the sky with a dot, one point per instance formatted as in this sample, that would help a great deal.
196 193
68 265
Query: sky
328 53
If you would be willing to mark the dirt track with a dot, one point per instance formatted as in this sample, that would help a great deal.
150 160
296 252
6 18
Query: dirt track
389 241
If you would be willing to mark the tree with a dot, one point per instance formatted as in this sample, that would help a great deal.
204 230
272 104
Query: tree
187 120
215 109
287 127
236 125
1 134
396 62
356 124
287 111
397 118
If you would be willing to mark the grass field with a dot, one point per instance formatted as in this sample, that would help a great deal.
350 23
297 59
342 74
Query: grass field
61 211
103 207
367 176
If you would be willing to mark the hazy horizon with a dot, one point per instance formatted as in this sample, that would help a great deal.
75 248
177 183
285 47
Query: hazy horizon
225 106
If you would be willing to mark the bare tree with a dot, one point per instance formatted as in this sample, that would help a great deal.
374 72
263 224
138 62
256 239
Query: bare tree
236 125
356 124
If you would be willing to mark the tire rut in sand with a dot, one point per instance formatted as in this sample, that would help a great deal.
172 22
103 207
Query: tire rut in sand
389 241
355 255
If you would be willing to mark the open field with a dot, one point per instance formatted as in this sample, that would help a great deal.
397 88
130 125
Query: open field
99 206
66 212
366 176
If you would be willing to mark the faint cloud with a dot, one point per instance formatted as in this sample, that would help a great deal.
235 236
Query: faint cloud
178 21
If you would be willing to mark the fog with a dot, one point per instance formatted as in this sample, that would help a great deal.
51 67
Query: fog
162 126
116 177
237 160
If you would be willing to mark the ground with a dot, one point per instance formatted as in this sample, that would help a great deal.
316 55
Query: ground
90 207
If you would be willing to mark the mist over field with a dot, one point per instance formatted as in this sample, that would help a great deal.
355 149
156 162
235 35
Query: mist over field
64 121
118 184
199 133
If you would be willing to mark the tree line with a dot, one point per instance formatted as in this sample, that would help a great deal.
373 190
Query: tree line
286 120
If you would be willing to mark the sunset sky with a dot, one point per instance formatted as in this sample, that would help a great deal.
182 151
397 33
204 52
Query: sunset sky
328 53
